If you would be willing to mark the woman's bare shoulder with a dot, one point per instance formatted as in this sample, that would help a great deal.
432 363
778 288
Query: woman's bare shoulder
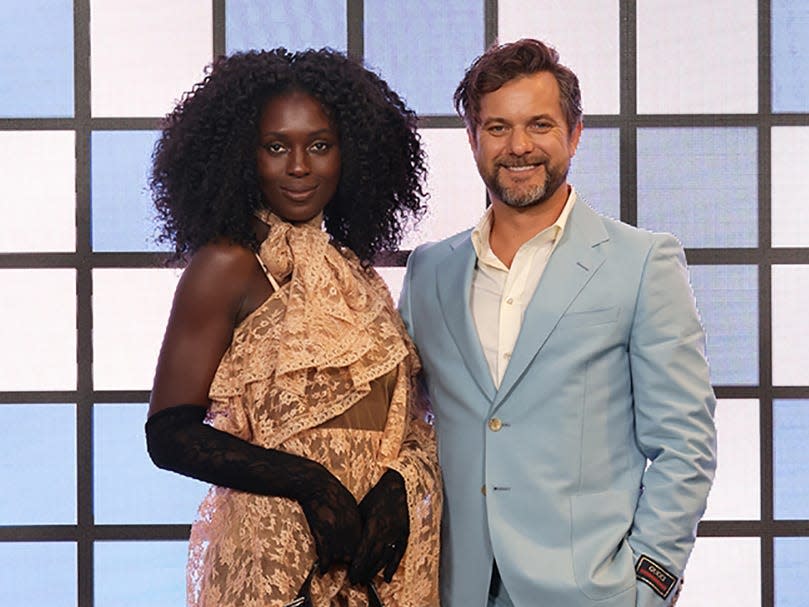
221 266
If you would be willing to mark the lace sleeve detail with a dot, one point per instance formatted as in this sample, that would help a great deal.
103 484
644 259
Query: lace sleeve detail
418 464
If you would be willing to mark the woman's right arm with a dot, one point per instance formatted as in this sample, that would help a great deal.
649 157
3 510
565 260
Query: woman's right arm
213 295
222 284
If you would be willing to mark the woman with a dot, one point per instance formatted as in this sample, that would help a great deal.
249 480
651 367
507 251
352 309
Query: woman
285 378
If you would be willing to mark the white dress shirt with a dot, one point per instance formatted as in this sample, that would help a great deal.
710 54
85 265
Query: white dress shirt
501 294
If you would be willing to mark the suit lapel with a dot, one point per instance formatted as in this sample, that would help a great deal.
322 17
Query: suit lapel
454 276
574 262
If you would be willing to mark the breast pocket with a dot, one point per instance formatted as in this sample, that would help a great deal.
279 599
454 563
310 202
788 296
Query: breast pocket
589 318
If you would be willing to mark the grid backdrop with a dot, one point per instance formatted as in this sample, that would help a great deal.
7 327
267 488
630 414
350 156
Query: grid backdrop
696 122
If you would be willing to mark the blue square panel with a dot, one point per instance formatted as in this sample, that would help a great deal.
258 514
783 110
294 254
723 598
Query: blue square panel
791 466
138 573
294 24
727 298
36 59
790 56
701 184
595 171
791 565
123 215
128 487
38 573
38 459
423 47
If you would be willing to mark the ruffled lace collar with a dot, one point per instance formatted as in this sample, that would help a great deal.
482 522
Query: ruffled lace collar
328 308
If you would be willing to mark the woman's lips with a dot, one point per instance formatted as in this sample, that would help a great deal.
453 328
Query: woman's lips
298 194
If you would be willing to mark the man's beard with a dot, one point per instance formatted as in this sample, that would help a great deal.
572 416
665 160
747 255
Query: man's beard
520 197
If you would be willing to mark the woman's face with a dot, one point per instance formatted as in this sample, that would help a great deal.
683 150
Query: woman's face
298 156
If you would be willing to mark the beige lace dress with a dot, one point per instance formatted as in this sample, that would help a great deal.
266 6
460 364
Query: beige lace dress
323 369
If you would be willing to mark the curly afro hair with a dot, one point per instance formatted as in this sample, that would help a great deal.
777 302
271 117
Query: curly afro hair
204 180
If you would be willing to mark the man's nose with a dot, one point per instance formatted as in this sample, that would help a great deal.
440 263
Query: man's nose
520 142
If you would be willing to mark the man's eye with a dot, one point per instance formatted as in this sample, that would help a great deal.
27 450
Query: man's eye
496 129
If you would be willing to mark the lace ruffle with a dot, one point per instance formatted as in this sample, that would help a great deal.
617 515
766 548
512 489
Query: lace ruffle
323 337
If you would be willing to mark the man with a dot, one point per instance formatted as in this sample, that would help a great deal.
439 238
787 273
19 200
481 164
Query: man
562 353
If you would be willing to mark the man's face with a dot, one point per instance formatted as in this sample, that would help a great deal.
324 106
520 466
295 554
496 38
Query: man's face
522 146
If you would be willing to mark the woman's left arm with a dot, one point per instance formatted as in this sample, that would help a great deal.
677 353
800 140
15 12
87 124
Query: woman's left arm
406 500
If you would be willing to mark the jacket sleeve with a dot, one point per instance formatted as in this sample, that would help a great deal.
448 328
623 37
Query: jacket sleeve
674 426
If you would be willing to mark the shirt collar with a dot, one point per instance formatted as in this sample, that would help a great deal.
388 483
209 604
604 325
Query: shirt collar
481 232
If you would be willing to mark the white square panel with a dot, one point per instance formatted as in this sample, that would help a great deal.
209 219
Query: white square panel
130 310
39 214
394 277
565 25
697 57
723 571
146 53
38 329
790 325
735 494
457 194
790 186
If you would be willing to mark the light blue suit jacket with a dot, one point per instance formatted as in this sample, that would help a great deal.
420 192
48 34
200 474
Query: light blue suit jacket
609 371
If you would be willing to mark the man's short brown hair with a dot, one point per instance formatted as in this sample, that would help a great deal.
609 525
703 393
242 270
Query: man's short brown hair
505 62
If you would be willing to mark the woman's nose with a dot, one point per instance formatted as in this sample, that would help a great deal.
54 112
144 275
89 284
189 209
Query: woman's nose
298 162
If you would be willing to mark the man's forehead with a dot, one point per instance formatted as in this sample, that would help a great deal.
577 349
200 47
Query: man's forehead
534 94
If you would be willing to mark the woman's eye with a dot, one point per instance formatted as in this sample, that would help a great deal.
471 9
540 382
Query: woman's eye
274 148
320 147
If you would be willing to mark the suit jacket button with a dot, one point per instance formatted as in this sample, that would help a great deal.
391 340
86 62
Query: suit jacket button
495 424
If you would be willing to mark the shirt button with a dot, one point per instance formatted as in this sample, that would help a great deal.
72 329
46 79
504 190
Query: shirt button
507 355
510 300
483 489
495 424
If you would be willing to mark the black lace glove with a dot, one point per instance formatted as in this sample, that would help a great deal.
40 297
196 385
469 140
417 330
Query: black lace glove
386 527
178 440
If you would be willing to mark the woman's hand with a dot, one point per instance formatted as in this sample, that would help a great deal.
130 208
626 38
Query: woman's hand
386 527
334 519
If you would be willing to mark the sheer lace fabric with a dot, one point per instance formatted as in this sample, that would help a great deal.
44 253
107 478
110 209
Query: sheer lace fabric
323 369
